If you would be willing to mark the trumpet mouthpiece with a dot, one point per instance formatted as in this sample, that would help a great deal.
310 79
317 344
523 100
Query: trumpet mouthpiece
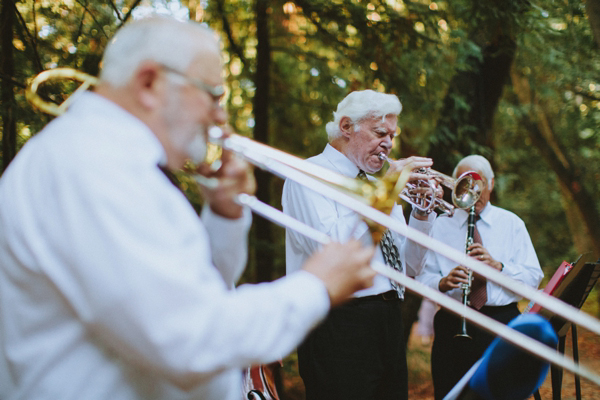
383 157
215 133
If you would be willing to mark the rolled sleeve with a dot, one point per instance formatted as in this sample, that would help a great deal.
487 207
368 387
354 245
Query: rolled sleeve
415 253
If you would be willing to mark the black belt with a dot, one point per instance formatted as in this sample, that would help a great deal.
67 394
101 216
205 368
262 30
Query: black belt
495 309
385 296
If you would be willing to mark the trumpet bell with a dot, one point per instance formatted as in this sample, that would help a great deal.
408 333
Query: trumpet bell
467 190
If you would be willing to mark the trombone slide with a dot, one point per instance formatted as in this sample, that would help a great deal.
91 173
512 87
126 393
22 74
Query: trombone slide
508 334
249 150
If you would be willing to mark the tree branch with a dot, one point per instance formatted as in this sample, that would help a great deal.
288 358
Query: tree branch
36 56
80 27
114 7
542 135
583 93
128 15
236 49
93 17
308 10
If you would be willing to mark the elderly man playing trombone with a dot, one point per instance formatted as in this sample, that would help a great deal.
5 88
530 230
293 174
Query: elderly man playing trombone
358 352
502 242
111 287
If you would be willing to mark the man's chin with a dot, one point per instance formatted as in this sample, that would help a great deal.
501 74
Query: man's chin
374 167
479 207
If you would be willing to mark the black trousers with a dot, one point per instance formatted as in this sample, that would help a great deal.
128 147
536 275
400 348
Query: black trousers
356 353
452 357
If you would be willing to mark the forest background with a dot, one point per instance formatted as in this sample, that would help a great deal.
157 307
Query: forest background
516 81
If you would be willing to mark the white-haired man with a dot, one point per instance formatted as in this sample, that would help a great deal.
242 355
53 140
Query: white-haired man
111 287
358 352
505 245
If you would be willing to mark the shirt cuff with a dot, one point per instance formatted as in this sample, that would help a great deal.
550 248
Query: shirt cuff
311 292
227 229
422 225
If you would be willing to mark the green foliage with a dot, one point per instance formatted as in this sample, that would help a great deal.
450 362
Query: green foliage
524 186
321 50
557 54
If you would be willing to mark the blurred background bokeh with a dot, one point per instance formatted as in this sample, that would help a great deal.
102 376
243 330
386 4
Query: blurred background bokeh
515 81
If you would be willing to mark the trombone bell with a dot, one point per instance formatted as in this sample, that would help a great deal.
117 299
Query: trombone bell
31 94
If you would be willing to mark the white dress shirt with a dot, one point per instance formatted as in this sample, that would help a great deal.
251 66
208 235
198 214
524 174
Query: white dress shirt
112 288
341 223
503 235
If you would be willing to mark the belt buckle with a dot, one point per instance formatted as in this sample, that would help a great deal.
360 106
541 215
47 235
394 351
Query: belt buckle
390 295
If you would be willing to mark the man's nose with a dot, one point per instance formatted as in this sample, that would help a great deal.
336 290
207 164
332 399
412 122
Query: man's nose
386 142
219 115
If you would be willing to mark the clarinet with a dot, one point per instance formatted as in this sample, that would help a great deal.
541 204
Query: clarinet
466 287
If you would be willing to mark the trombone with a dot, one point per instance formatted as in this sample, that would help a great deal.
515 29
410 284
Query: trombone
344 190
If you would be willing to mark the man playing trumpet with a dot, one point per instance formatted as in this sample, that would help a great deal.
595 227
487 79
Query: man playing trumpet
358 352
501 240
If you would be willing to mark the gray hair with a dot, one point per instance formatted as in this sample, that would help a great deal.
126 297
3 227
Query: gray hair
163 40
360 105
477 163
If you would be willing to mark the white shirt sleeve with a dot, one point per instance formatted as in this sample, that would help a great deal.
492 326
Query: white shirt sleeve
132 260
431 273
222 233
521 263
415 254
321 213
110 273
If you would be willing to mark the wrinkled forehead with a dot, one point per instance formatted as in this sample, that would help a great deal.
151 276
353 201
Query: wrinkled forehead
207 63
466 167
380 120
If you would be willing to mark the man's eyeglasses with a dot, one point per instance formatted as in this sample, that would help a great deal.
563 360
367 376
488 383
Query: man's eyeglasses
215 92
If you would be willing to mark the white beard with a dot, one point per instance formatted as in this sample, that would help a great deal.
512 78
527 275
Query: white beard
187 136
196 148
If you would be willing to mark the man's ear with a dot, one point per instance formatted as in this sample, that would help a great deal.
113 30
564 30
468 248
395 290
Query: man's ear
346 126
149 85
493 181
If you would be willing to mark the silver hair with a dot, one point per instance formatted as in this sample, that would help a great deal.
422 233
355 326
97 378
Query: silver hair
163 40
477 163
360 105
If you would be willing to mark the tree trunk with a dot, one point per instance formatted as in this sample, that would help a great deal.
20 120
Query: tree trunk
593 12
586 221
264 250
9 123
465 129
581 240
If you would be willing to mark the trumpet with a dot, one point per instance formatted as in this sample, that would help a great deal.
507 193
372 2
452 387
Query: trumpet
351 194
466 190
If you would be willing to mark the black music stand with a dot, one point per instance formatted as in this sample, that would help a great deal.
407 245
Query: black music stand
573 289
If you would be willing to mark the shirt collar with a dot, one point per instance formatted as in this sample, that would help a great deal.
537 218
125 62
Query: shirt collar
485 216
138 134
340 162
